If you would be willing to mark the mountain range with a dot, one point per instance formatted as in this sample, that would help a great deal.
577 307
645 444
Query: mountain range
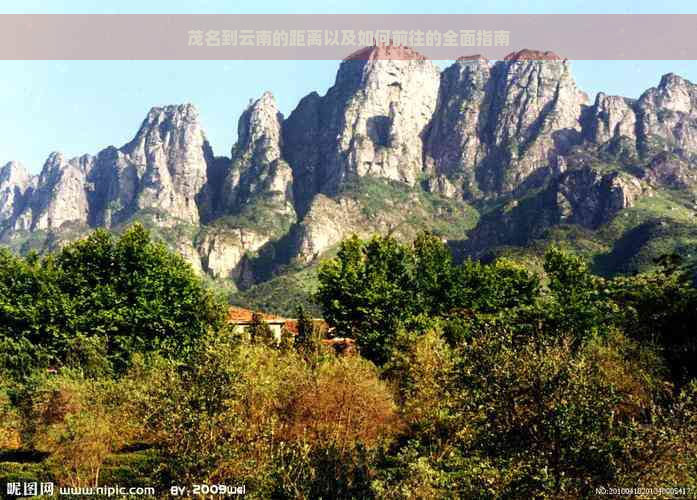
498 158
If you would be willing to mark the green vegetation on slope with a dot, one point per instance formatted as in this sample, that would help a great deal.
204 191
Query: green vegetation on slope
263 215
385 205
283 293
410 209
663 222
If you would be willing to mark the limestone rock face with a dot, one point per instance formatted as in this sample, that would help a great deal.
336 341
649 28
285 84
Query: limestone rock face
60 195
455 144
190 254
257 169
116 180
370 123
589 198
535 114
16 186
662 120
223 251
327 222
518 131
306 143
170 156
498 127
667 116
671 170
164 168
580 195
611 117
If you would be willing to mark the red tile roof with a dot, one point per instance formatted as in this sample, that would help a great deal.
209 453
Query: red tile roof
242 315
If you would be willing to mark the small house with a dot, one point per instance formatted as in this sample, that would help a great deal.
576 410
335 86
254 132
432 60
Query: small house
241 318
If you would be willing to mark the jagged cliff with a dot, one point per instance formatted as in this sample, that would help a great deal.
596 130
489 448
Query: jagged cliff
372 122
16 187
486 153
257 167
509 121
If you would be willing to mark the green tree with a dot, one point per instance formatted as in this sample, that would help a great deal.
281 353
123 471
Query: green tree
500 285
660 308
366 292
435 284
102 296
137 292
576 303
33 310
307 340
374 289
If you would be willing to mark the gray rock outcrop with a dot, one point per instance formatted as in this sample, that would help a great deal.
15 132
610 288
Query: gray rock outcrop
668 116
169 157
60 195
589 198
455 145
515 136
258 172
372 122
611 117
223 251
326 223
497 127
163 168
536 115
16 186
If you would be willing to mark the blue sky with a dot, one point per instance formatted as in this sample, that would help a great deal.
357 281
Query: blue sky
83 106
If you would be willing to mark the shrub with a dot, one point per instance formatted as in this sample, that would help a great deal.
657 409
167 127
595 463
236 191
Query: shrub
345 404
10 422
240 411
67 416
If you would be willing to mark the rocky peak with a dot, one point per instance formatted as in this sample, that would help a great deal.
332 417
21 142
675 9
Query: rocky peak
535 115
386 52
13 173
532 55
666 116
455 145
52 166
257 170
497 127
175 128
675 94
170 154
15 186
474 57
60 195
611 117
477 130
259 128
370 123
161 121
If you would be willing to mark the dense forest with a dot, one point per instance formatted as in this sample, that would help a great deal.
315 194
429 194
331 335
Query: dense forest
471 380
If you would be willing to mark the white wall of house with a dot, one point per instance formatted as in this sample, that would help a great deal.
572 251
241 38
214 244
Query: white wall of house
276 329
